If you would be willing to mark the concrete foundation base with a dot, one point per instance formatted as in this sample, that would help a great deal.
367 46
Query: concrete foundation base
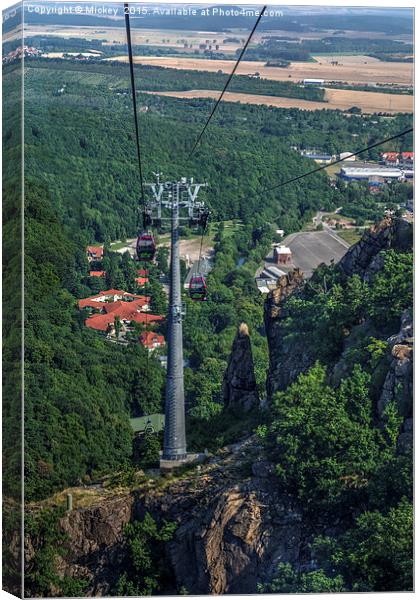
191 458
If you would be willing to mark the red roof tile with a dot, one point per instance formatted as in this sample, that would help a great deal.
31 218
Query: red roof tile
88 302
97 251
141 280
146 318
111 292
392 156
150 338
97 273
99 322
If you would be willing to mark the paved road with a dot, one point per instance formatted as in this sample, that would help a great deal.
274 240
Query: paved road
311 248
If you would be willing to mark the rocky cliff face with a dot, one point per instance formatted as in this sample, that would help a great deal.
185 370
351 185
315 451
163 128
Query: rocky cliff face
287 358
398 385
233 528
289 355
363 258
239 385
95 549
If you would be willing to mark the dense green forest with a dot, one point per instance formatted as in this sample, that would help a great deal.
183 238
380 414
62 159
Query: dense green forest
163 79
87 190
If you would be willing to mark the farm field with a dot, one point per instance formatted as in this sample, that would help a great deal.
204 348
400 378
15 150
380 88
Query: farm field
369 102
345 59
375 72
117 34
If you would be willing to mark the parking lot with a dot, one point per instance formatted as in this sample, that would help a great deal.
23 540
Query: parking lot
310 249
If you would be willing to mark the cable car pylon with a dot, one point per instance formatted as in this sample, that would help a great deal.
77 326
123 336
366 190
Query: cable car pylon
179 199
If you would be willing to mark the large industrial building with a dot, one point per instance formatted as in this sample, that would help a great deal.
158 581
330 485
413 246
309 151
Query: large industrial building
370 172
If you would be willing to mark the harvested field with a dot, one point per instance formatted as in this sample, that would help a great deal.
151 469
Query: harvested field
369 102
353 73
345 59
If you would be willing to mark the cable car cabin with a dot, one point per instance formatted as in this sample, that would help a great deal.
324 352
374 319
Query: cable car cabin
146 246
198 288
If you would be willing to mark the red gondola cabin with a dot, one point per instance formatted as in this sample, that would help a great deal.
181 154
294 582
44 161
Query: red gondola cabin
198 288
146 246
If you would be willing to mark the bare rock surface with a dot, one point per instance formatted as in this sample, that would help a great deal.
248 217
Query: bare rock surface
234 526
239 385
398 385
364 258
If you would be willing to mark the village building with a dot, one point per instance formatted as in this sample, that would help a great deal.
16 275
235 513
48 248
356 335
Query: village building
319 157
370 173
94 253
97 273
282 255
141 281
151 340
347 156
112 295
113 306
403 159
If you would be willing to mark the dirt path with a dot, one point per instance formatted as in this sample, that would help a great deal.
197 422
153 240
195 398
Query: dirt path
191 248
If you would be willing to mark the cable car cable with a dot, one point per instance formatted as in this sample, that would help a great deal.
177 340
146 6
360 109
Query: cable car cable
227 82
133 93
136 123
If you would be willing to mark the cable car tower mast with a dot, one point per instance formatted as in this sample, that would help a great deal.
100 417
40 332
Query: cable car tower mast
180 198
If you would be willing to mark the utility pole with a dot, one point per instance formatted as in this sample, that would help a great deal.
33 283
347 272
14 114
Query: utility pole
177 197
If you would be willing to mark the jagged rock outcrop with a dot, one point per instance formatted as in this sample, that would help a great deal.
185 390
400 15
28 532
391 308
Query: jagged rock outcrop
239 384
287 359
364 258
398 385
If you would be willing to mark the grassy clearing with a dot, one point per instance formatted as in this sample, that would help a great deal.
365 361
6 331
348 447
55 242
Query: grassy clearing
118 245
351 236
231 227
332 170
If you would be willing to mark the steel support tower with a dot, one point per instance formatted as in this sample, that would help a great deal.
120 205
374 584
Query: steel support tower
178 197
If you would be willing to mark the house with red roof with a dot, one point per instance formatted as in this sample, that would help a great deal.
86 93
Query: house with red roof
97 273
407 159
390 158
106 322
110 305
94 253
152 340
141 281
109 296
